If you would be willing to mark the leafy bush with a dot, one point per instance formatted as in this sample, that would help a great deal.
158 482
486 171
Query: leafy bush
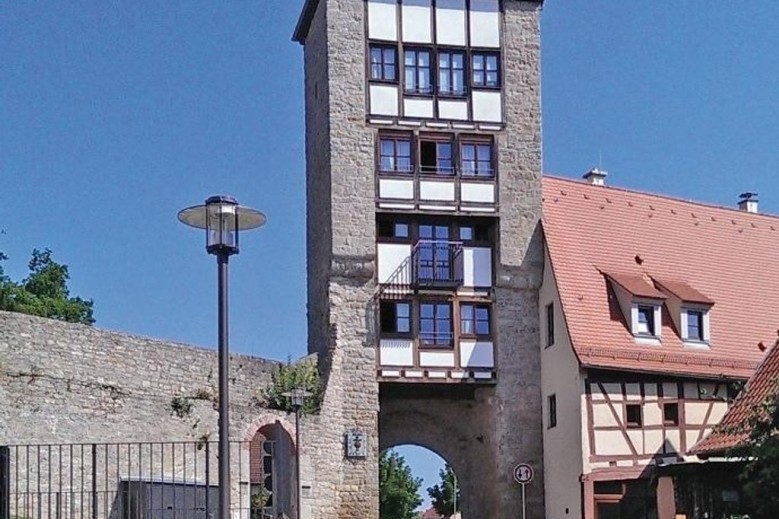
288 377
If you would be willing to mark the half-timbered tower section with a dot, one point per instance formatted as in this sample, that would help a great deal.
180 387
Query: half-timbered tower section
651 309
424 245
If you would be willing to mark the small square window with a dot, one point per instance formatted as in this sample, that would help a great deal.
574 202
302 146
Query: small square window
475 320
384 63
671 413
633 416
551 411
695 325
466 233
392 229
646 320
395 317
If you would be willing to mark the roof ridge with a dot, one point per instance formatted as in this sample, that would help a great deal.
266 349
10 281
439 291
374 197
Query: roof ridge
660 196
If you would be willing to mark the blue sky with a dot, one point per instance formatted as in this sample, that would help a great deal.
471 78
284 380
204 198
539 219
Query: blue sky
113 116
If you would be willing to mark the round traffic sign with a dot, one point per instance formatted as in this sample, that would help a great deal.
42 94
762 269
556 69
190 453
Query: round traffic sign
523 473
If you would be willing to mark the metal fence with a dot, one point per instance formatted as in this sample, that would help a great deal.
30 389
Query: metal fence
152 480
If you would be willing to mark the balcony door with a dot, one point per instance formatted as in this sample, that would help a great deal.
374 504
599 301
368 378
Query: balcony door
435 258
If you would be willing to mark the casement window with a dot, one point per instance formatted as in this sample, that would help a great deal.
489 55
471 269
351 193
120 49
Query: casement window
549 324
695 326
395 154
395 317
476 158
451 73
633 417
393 230
476 234
435 324
384 63
551 410
475 320
646 320
418 79
671 413
485 67
435 258
435 155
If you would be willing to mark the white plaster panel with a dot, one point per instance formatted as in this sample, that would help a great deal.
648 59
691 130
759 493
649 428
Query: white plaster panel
718 412
477 266
384 99
443 191
650 391
602 416
653 414
437 358
391 188
692 437
450 22
413 107
653 442
382 20
608 443
614 391
637 439
390 257
695 412
416 21
486 106
477 192
476 354
673 441
633 391
485 23
396 352
455 110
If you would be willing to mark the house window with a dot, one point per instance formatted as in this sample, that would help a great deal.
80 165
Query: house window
435 155
476 159
451 73
551 410
384 63
671 413
417 71
393 229
549 324
695 325
434 255
486 70
435 324
633 416
395 154
395 317
474 234
646 320
475 320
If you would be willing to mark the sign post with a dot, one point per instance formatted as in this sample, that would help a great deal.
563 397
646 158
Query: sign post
523 474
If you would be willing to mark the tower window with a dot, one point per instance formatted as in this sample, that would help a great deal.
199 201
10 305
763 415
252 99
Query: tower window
435 155
451 73
395 154
550 324
476 158
393 229
384 63
486 70
395 317
435 324
551 410
475 320
417 71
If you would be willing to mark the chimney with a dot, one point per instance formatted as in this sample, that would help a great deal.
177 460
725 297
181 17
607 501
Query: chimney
747 202
595 177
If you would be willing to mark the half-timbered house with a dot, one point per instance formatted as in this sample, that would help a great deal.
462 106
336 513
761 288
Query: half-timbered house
651 308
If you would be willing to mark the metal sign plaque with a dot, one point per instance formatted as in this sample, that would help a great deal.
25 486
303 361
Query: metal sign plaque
523 473
356 444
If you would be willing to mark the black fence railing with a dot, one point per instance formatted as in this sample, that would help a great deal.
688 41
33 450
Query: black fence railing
154 480
437 264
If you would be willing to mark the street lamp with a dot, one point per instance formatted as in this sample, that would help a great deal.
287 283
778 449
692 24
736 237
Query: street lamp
222 218
297 398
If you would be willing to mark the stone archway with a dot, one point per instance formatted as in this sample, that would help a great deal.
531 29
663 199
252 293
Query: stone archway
271 468
457 430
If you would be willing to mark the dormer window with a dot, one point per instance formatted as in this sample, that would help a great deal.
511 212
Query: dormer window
689 309
646 320
695 325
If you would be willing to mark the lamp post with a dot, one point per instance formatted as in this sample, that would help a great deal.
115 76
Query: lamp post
297 398
222 218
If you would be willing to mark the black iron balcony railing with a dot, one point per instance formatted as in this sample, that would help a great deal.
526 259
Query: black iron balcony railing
432 264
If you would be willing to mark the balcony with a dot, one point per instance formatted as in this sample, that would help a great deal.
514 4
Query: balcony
431 265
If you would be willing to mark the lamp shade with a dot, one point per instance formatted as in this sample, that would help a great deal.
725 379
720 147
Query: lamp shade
222 218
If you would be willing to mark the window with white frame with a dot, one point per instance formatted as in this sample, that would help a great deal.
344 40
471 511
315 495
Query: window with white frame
695 325
646 320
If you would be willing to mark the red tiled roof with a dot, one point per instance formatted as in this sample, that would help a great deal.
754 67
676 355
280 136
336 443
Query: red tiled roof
684 291
636 285
726 254
763 384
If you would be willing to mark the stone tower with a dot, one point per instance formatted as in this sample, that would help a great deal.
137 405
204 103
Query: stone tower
423 149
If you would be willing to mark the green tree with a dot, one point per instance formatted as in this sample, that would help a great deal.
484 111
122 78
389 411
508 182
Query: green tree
398 488
446 494
303 374
44 292
760 474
